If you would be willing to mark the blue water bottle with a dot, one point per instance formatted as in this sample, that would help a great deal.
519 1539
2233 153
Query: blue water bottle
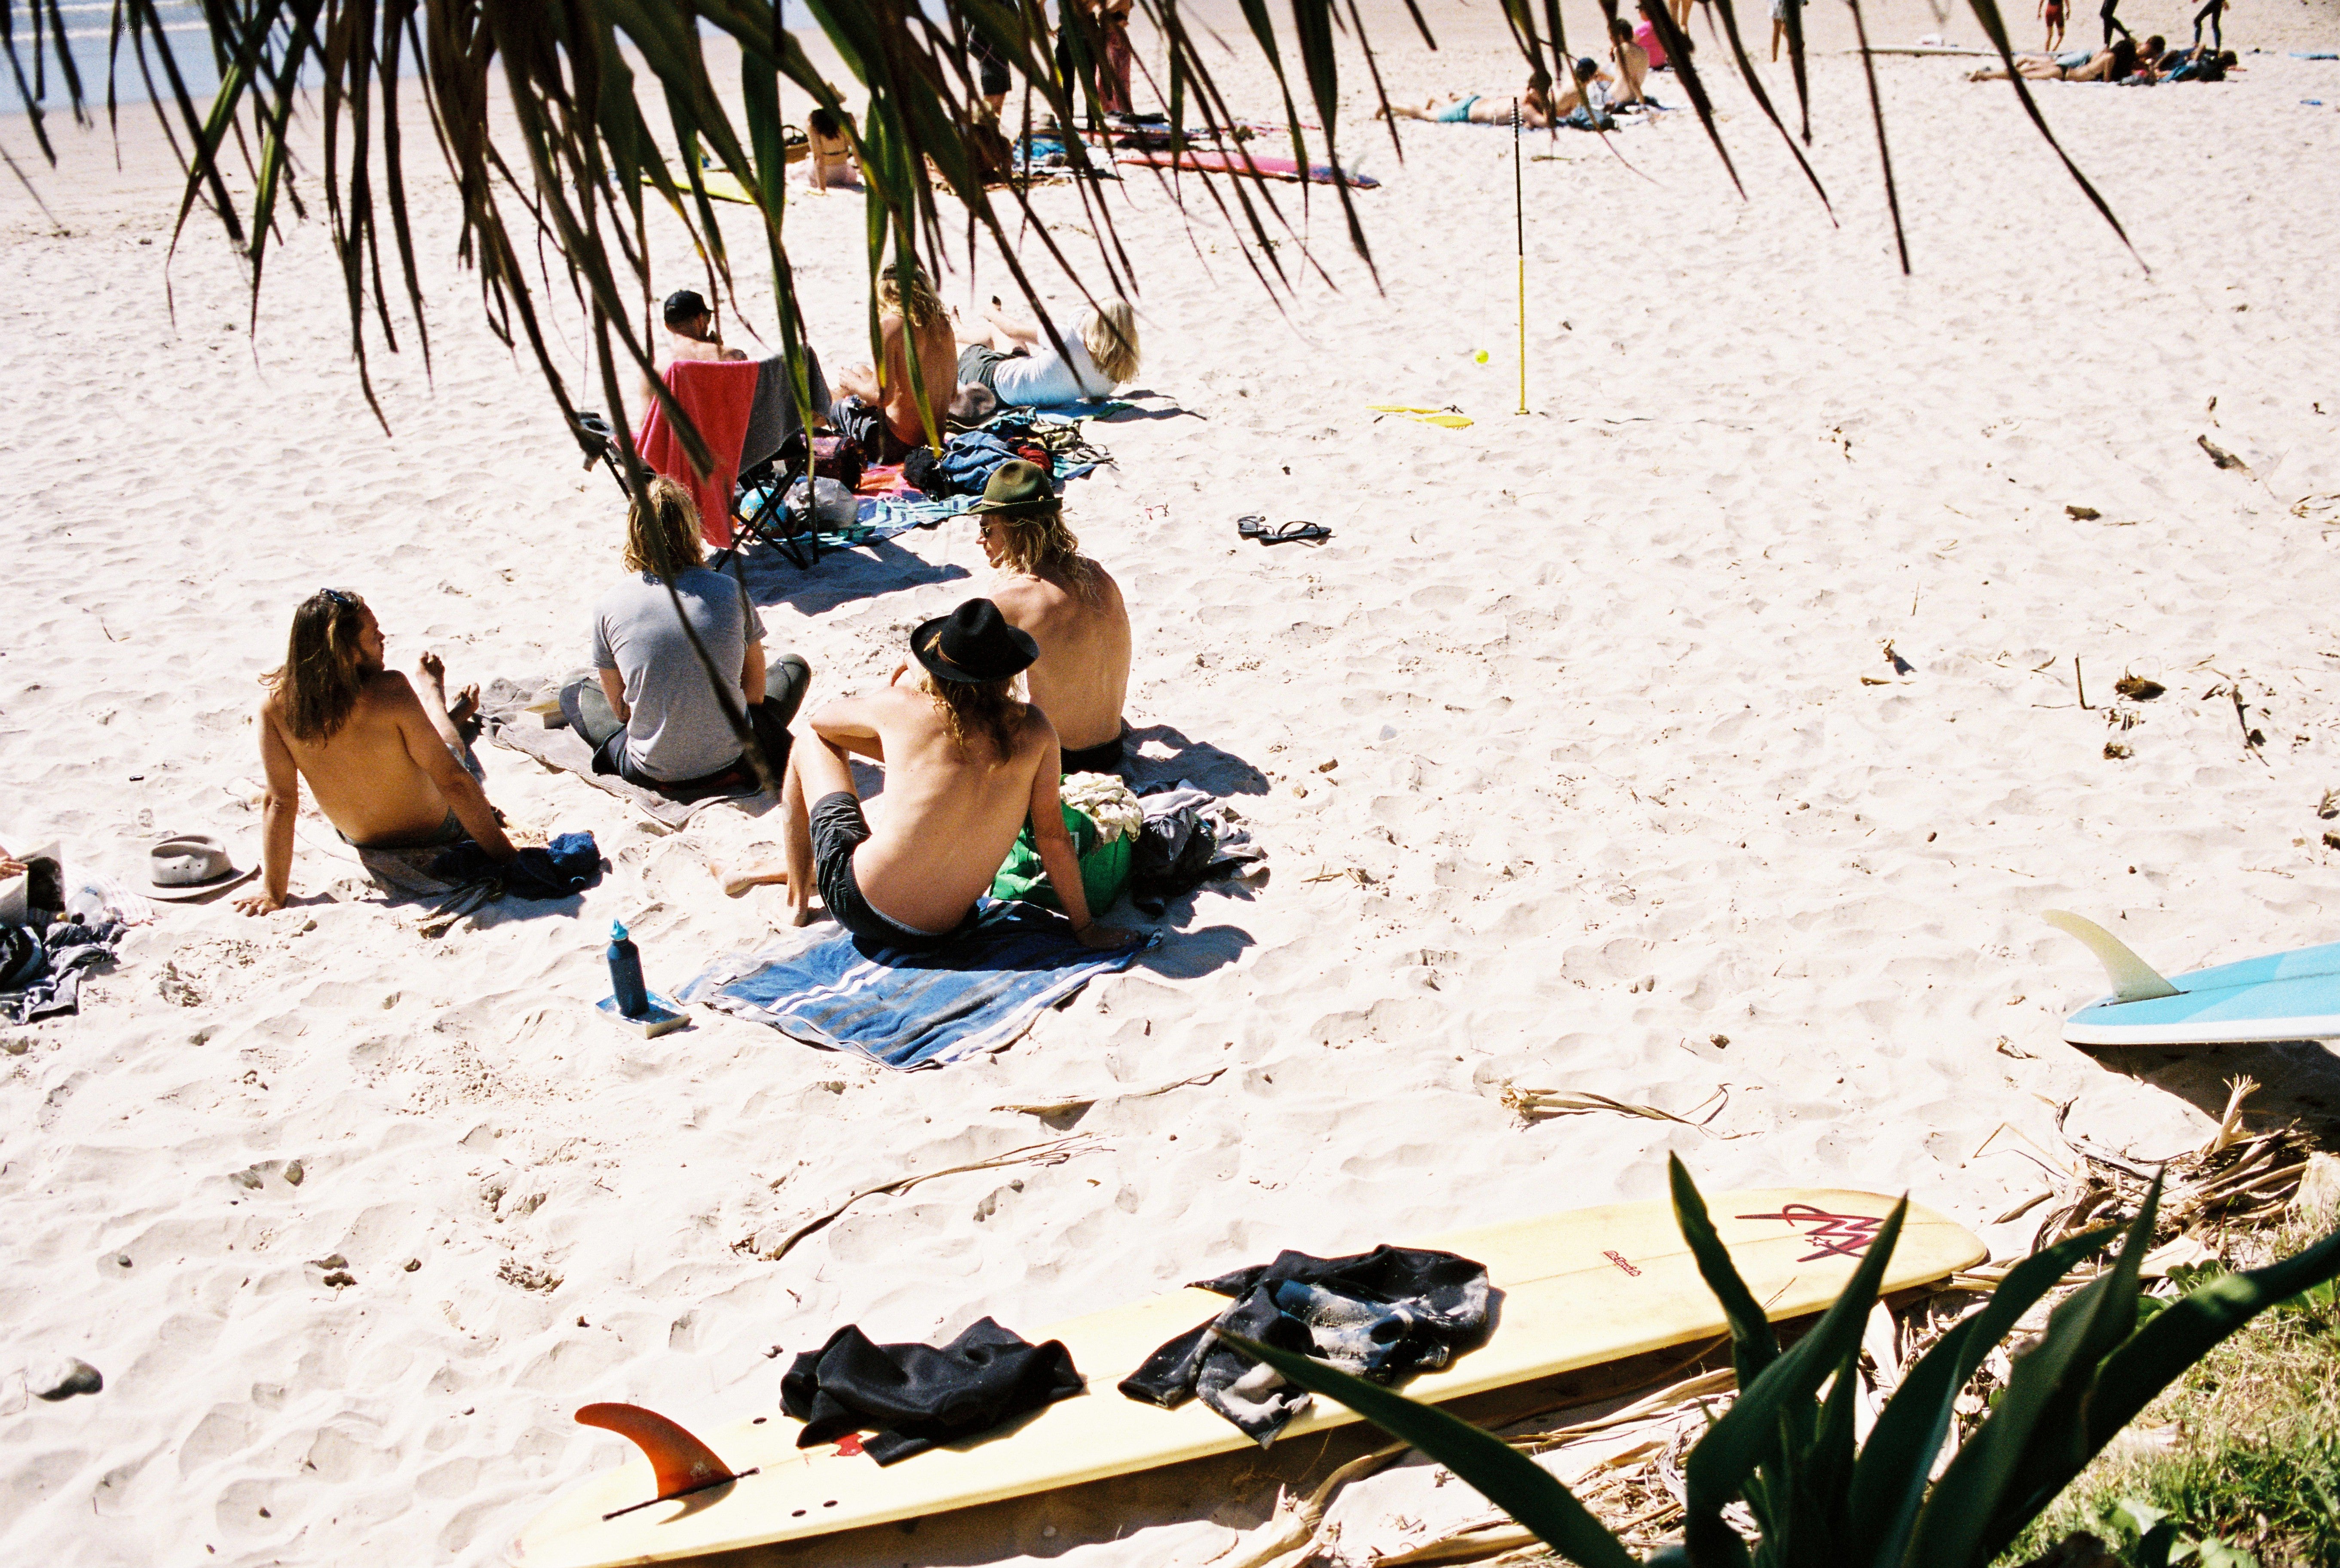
626 973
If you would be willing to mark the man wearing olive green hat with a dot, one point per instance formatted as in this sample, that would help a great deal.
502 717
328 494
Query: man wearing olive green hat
1067 605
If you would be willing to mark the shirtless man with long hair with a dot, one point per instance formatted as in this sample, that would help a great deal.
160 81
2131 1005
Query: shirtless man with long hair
967 766
1071 609
880 412
389 769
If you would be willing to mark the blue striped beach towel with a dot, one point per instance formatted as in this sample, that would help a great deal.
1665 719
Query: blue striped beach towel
906 1010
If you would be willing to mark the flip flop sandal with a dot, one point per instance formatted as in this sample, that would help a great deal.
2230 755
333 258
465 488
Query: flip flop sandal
1250 525
1297 531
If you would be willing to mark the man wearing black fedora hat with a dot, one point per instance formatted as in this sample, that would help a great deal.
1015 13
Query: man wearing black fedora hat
966 763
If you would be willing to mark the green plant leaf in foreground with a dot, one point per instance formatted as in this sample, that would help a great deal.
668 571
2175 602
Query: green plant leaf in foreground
1506 1477
1889 1479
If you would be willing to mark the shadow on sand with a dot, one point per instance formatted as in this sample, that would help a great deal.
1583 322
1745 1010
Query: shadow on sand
1160 754
840 577
2298 1079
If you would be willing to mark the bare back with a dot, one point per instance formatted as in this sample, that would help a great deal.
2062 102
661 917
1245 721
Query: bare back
948 818
1082 677
938 348
366 776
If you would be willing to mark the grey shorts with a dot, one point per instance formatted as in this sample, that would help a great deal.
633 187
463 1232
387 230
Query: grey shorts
838 829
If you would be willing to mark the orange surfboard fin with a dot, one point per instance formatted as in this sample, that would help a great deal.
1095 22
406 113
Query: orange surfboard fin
682 1464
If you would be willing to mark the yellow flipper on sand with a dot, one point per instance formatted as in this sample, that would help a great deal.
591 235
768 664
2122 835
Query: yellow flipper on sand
1444 418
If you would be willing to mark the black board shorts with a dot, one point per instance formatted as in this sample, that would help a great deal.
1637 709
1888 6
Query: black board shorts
838 829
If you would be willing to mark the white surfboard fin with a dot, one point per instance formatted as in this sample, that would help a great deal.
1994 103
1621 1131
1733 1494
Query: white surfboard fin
2134 980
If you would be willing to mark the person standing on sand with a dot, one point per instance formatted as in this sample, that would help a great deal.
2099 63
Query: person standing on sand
2114 24
2051 12
2214 12
967 766
1069 606
880 412
391 768
1780 25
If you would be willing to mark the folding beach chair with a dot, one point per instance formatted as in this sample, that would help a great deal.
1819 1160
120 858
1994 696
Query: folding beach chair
745 410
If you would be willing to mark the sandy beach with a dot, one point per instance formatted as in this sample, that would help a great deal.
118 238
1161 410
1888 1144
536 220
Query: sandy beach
1578 752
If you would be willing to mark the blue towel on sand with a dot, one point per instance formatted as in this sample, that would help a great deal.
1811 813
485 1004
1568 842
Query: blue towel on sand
906 1010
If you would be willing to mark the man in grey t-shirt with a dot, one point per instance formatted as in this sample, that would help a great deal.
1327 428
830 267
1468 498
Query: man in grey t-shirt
654 719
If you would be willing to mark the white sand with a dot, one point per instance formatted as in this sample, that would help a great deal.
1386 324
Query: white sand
1606 772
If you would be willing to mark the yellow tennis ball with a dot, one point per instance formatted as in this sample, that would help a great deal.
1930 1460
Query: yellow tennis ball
1480 356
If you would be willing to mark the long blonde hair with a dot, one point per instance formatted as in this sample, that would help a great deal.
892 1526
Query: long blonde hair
1110 335
919 307
989 708
1038 540
323 672
663 538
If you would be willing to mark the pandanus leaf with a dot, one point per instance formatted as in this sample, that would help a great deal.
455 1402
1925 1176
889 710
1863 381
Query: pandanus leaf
1889 1480
1772 1420
2009 1459
1502 1474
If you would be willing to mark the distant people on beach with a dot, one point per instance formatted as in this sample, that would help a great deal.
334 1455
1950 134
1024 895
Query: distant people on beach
1780 9
1632 64
1645 34
1588 96
2116 63
1114 66
830 154
880 414
990 72
2214 13
2051 12
1069 606
649 710
392 767
2114 24
1534 104
966 766
1021 367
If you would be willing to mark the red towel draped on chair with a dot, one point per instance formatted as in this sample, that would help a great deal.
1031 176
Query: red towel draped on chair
719 396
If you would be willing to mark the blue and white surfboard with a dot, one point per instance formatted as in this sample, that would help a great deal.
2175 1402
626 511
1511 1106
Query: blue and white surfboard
2291 995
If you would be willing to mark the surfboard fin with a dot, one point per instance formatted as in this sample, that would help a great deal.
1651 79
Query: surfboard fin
2134 980
682 1462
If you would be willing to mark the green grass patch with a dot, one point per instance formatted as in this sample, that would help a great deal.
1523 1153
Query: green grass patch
2252 1471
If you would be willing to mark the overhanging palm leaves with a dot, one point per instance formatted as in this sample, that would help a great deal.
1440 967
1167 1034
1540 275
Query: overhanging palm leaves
581 158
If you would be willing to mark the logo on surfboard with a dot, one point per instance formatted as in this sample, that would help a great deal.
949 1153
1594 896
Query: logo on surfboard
1831 1235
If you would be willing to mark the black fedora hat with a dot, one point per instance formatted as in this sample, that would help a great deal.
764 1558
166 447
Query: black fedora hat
974 643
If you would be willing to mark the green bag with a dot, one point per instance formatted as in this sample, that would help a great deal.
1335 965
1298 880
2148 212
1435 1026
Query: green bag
1104 867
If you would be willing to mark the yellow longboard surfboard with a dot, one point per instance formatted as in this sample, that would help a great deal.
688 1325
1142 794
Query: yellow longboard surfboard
1578 1289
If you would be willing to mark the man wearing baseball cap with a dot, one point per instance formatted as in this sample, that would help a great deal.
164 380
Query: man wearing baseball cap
967 765
693 333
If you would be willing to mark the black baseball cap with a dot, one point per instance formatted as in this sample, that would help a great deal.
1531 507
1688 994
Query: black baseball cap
684 305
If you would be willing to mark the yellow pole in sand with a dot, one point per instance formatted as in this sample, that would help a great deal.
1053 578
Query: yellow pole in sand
1520 219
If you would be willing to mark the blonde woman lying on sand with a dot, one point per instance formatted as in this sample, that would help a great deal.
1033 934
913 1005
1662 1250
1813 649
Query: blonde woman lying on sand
390 767
1017 362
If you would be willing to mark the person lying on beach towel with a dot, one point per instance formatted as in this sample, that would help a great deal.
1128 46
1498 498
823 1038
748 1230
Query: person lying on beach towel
648 712
967 766
1589 98
1017 362
391 768
879 411
1478 109
2114 65
1069 604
